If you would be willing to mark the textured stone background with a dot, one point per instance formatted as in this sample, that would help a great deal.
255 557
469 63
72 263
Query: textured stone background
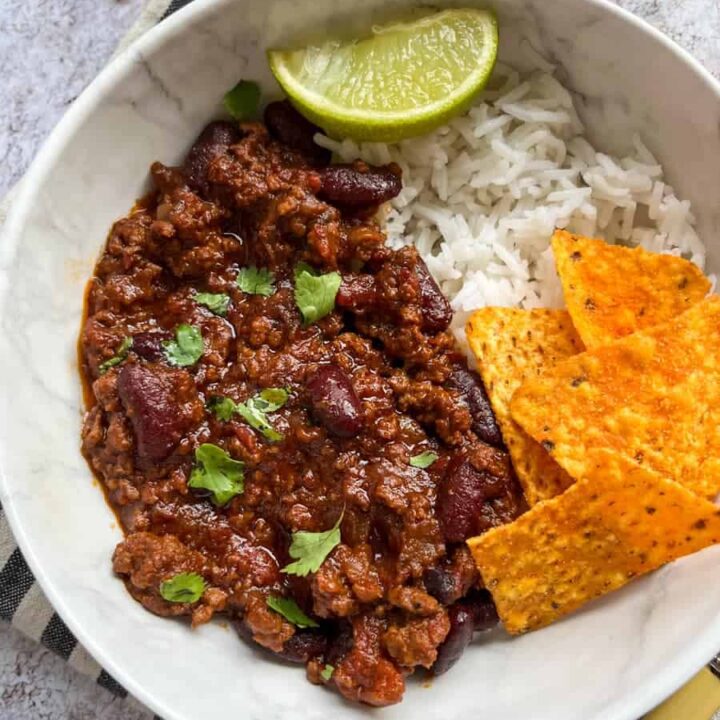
49 51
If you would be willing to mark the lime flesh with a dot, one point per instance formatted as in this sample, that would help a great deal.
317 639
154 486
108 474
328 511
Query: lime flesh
402 80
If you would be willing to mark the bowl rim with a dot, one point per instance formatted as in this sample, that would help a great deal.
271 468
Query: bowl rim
645 696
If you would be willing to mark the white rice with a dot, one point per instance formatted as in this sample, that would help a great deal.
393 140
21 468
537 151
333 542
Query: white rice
483 195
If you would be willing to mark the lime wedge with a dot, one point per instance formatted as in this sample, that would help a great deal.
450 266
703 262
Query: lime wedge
403 80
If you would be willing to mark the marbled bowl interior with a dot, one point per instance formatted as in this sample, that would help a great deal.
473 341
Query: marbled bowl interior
613 660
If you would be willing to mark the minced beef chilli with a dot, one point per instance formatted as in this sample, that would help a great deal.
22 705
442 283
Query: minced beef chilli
262 369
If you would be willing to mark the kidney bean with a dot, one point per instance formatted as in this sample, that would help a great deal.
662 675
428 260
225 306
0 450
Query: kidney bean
461 494
482 607
484 424
287 125
474 613
212 141
358 186
333 401
436 310
304 645
462 626
149 345
150 402
341 643
301 647
441 583
357 292
243 630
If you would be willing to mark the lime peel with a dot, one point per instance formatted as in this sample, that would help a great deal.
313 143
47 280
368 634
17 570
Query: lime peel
428 70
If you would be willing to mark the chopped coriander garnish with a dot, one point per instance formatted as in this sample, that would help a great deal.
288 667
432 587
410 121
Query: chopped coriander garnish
253 411
423 460
243 100
327 672
272 399
309 549
187 347
120 355
256 281
289 609
215 302
183 588
222 407
314 293
255 417
217 472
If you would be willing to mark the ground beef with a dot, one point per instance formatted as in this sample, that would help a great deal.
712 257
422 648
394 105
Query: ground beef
146 560
366 673
414 641
345 581
372 384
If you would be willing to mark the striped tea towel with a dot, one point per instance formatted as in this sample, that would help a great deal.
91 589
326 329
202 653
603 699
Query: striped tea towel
22 602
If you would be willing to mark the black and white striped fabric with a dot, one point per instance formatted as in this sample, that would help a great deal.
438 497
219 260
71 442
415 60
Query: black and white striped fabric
24 606
176 5
22 602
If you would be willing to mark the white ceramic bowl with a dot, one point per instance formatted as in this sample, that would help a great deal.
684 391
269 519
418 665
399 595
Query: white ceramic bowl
614 660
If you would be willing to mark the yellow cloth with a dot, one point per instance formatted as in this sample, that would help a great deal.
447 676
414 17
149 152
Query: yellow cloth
698 699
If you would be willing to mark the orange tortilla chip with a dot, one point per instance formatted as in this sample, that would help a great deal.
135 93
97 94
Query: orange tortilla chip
612 291
618 522
512 346
652 397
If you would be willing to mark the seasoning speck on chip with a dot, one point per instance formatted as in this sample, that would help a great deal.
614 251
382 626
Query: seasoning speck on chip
652 397
511 346
616 523
612 291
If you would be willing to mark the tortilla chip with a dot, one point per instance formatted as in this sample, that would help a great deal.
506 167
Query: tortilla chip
612 291
512 346
618 522
652 397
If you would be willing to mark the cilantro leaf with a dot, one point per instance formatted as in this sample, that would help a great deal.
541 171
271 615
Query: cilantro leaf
187 347
271 399
314 293
327 672
215 302
222 407
424 460
183 588
309 549
120 354
242 101
253 411
218 473
289 609
256 281
255 417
